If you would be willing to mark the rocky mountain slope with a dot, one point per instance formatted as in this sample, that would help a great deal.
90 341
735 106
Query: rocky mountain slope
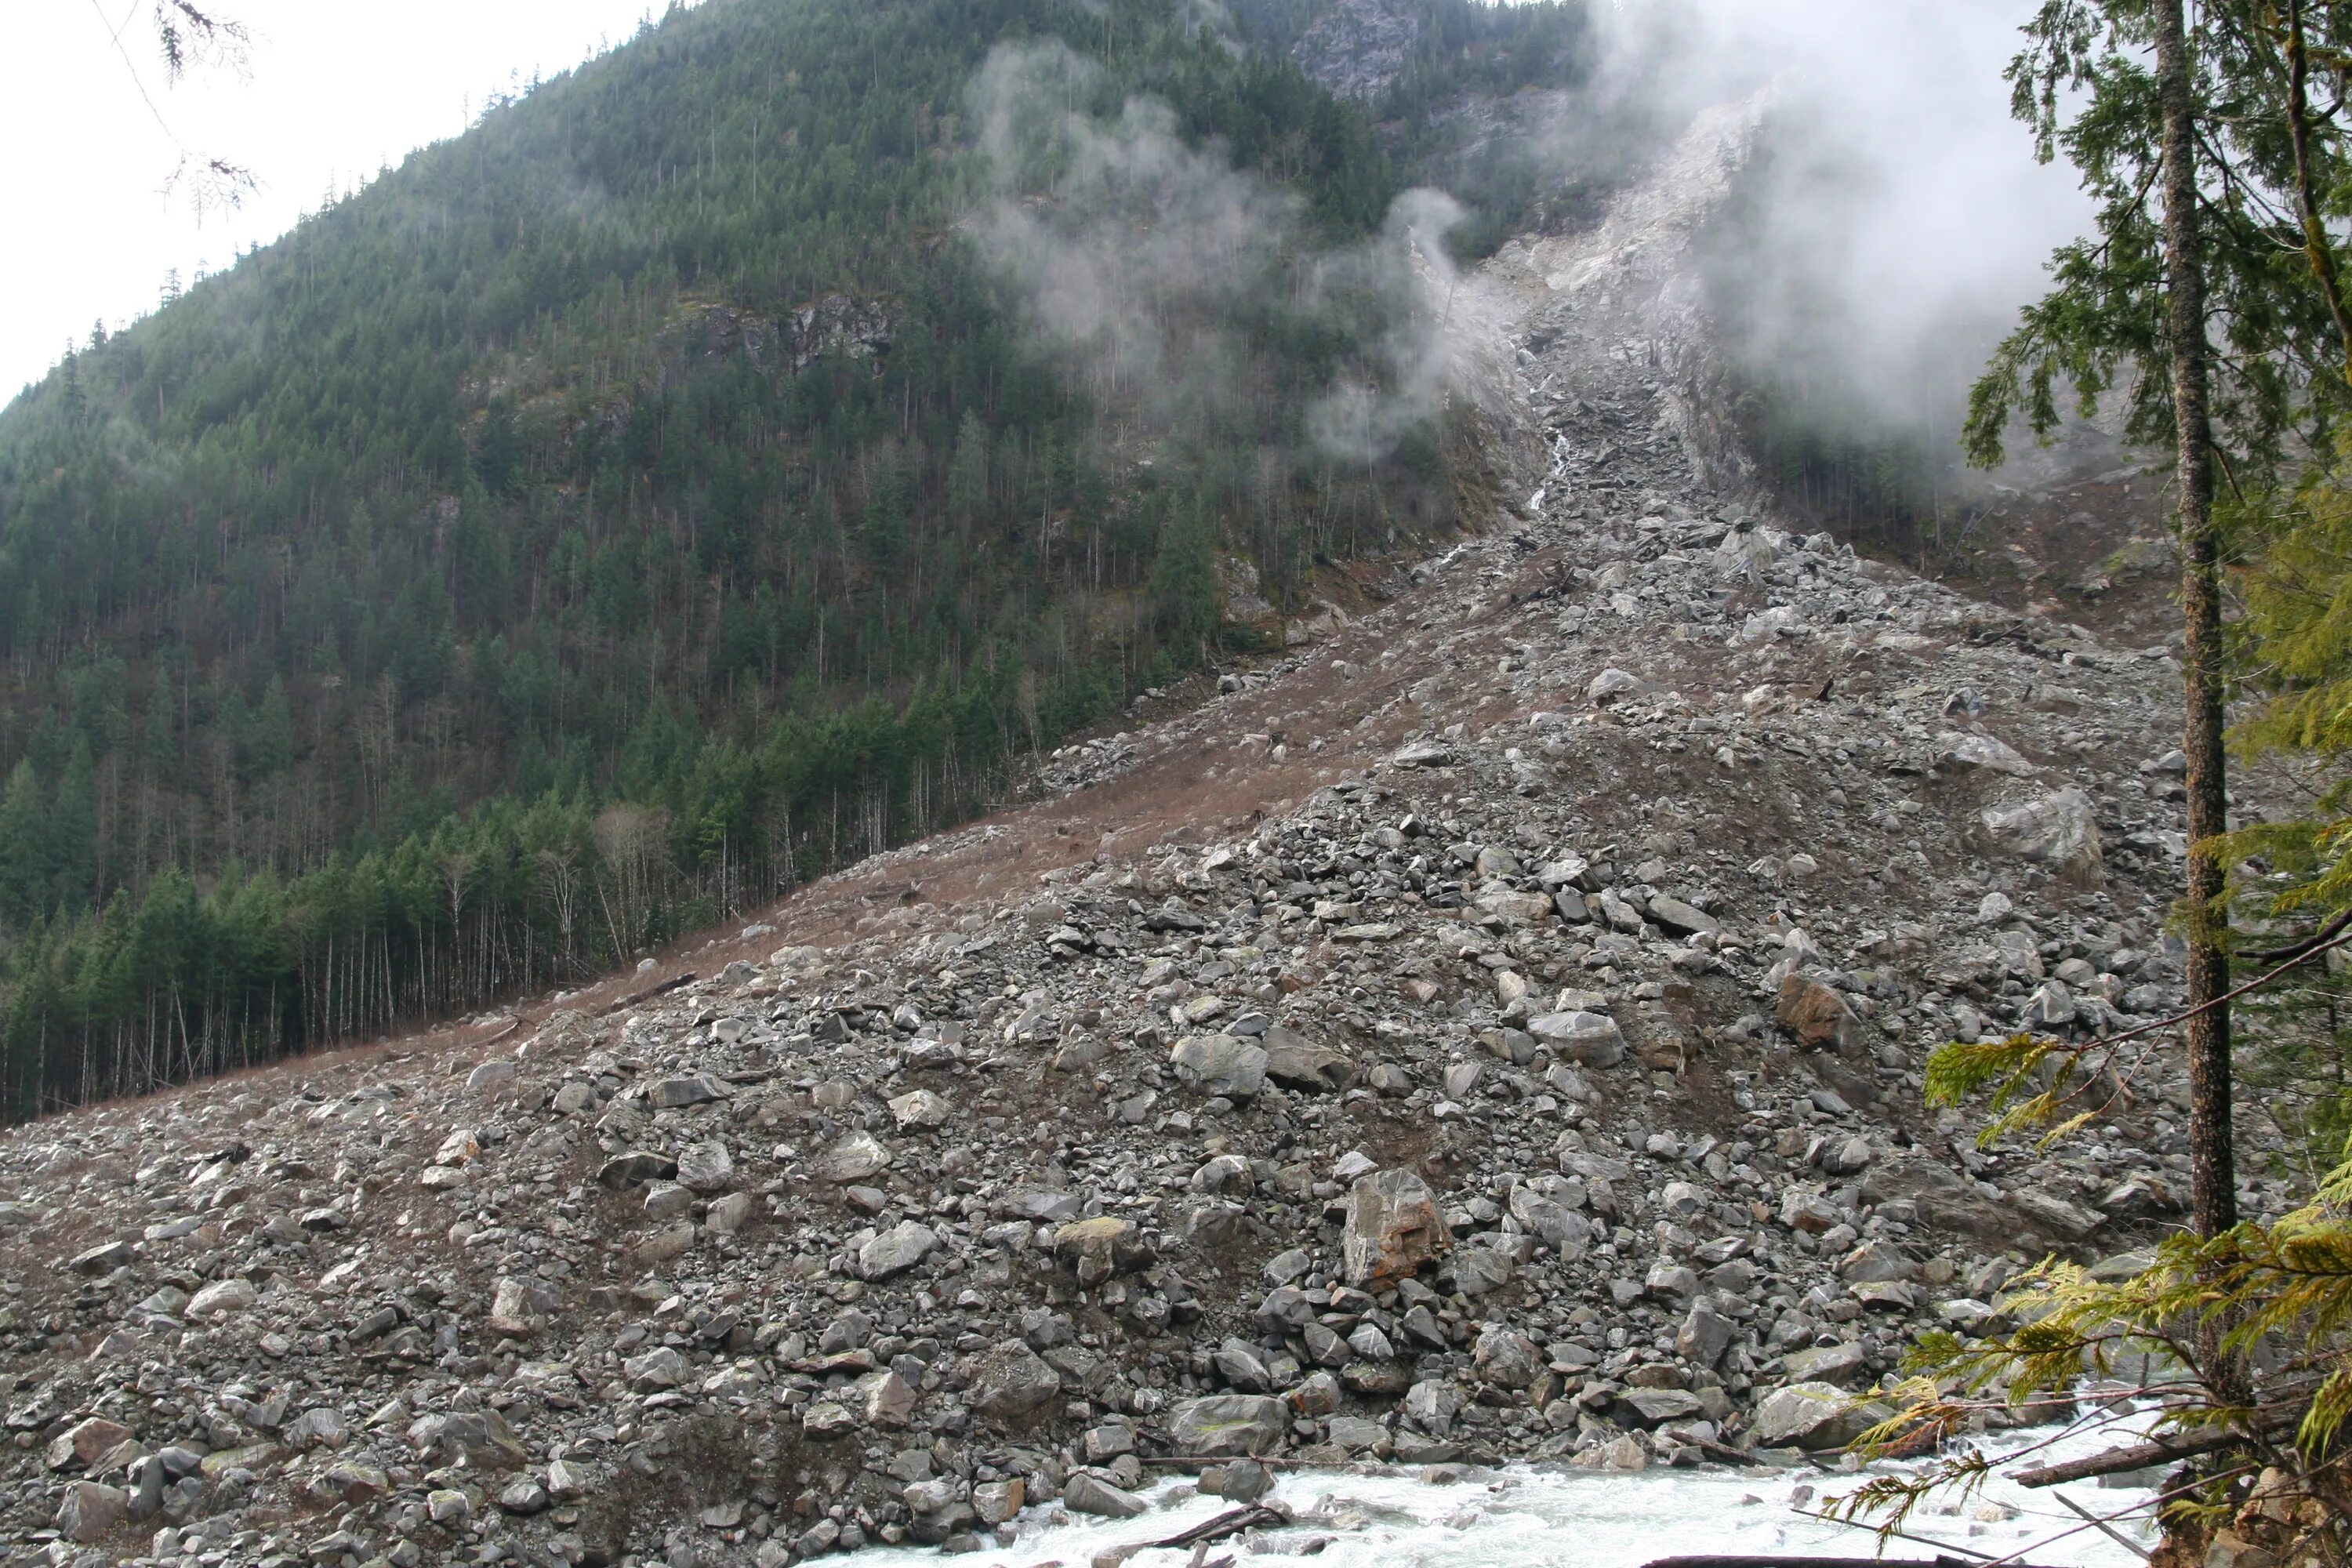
1494 1031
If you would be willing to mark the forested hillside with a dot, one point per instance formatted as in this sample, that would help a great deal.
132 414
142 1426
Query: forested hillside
662 492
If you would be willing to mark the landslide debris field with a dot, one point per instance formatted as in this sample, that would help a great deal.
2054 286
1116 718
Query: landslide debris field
1494 1031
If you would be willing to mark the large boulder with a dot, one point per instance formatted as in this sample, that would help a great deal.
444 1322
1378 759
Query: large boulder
1703 1336
896 1250
920 1108
1814 1415
1844 1364
853 1158
1296 1062
90 1509
940 1508
1085 1493
1393 1227
1219 1064
1227 1424
1817 1015
1656 1406
1592 1038
705 1167
1011 1381
223 1296
1100 1248
2059 830
1506 1358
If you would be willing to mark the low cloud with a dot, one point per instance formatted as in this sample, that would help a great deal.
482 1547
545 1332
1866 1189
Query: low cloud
1150 268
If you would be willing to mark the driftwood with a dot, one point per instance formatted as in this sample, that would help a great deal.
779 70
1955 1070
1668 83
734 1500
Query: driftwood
631 1000
2137 1457
509 1028
1200 1536
1233 1521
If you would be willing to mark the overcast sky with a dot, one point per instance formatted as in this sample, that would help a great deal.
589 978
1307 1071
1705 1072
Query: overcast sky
334 92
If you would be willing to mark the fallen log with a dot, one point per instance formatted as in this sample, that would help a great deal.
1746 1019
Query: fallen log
664 989
2137 1457
1233 1521
1200 1536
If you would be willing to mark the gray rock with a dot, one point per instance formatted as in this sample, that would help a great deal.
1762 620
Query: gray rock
1096 1249
853 1158
705 1167
675 1093
1876 1260
1703 1336
1648 1407
1978 751
223 1296
1242 1481
524 1497
940 1508
634 1166
1477 1269
1240 1365
1814 1415
1219 1064
90 1509
666 1245
1612 682
1506 1358
1592 1038
1667 1278
1295 1062
996 1501
829 1418
890 1399
492 1075
103 1258
1011 1381
896 1250
1432 1406
2047 1208
920 1108
1225 1424
1084 1493
1844 1364
1682 919
2060 830
2052 1007
657 1369
1393 1227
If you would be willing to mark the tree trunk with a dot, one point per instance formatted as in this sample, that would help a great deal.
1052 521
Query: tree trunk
2212 1180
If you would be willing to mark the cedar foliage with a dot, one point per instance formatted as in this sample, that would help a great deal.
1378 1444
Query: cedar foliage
619 512
2243 1331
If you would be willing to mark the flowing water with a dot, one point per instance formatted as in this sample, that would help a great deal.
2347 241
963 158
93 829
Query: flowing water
1520 1517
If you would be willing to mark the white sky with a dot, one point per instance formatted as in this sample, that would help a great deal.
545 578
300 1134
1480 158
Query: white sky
335 91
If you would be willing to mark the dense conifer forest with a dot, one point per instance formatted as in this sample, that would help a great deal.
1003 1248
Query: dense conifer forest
649 500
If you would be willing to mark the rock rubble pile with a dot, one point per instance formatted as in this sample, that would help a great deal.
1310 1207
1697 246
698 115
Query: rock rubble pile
1545 1083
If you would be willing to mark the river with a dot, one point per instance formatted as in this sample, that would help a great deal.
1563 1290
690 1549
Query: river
1521 1517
